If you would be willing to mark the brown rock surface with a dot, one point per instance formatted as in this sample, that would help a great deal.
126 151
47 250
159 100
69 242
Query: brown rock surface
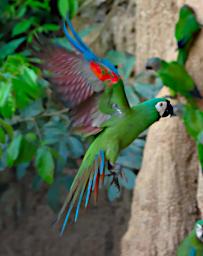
165 199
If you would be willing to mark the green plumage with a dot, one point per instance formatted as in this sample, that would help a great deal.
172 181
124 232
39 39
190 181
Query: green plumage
191 245
186 30
117 133
175 77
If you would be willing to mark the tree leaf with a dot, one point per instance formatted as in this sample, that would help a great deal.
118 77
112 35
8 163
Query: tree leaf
113 193
10 47
45 164
27 151
4 93
63 7
7 128
2 136
13 150
128 179
22 26
73 4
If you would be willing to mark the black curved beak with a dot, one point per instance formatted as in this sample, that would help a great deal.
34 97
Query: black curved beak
169 110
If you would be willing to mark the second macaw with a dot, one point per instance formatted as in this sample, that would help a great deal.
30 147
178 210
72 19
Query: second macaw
174 76
94 91
187 28
192 245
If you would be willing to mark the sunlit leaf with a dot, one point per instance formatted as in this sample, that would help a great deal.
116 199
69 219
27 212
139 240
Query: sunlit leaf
44 163
4 93
7 128
22 26
63 7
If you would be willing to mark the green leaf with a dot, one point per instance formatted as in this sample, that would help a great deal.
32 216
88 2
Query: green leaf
128 179
10 47
22 26
7 128
9 107
73 8
4 93
13 150
2 136
21 170
27 150
63 7
75 147
45 164
50 27
113 193
26 88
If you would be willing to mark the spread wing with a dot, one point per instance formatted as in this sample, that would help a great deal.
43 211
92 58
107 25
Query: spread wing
89 85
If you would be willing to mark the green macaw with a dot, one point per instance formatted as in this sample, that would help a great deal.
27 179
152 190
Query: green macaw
193 120
94 91
175 77
187 28
192 245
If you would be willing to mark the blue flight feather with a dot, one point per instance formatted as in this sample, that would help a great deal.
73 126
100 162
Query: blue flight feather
79 203
95 176
84 49
88 190
72 41
66 218
102 163
77 37
192 252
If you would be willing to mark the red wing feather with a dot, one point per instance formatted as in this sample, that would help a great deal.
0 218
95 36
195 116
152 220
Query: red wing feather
71 76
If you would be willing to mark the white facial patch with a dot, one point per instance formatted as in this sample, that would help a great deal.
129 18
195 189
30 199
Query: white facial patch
161 107
199 231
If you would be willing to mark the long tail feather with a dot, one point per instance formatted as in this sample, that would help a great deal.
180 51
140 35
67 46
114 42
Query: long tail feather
77 37
83 48
89 189
86 180
72 41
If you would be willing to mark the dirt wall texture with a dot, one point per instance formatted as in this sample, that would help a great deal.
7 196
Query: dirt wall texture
165 199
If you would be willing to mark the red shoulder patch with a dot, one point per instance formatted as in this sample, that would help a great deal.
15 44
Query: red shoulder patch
103 73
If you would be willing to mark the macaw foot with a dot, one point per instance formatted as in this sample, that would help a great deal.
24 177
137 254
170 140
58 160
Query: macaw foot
115 172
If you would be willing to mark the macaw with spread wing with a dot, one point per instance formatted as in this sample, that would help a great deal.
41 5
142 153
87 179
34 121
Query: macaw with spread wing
94 91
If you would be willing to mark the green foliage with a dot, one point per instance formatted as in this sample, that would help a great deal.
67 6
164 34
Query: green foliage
44 163
69 7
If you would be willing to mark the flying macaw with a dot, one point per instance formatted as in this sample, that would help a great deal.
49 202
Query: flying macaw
192 245
187 28
94 91
175 76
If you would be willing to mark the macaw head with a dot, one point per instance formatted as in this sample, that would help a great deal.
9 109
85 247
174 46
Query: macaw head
153 64
199 230
164 108
186 10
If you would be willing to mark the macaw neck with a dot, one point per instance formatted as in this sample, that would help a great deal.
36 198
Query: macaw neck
146 113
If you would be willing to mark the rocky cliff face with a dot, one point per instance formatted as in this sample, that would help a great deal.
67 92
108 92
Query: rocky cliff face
165 199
